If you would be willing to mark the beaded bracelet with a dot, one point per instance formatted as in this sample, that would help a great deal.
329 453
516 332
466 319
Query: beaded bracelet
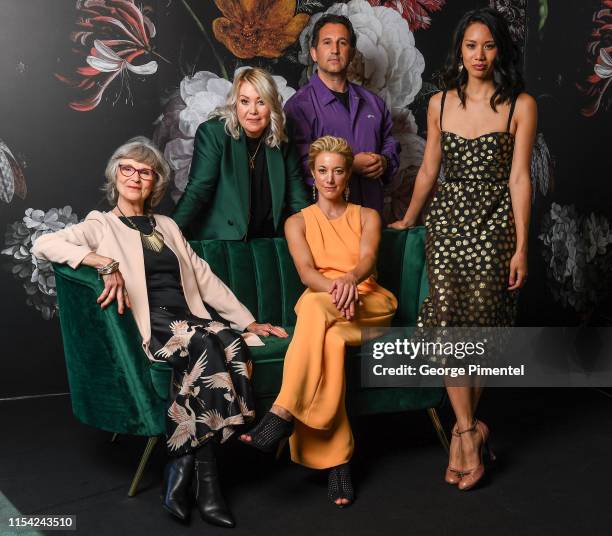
110 268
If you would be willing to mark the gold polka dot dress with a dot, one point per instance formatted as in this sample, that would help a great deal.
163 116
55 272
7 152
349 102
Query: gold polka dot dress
470 235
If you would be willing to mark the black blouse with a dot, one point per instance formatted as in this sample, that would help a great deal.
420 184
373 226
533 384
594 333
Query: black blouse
261 223
162 271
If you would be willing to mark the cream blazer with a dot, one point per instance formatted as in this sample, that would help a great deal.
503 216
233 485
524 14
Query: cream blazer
105 234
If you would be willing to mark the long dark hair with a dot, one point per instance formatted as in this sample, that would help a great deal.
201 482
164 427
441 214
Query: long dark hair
508 76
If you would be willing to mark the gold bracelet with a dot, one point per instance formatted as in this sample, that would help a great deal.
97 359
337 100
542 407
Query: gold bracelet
110 268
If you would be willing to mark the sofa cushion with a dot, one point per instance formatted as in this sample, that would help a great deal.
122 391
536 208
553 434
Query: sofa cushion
261 273
268 364
402 270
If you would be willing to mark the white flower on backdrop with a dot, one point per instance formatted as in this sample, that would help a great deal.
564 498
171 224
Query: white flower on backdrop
197 97
107 60
37 275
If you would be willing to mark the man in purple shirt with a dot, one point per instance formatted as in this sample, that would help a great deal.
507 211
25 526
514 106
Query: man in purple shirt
331 105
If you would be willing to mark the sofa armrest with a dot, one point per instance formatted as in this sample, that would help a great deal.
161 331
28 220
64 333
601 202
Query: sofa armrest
108 372
402 270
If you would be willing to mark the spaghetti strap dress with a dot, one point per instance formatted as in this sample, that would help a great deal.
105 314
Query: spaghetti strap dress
470 236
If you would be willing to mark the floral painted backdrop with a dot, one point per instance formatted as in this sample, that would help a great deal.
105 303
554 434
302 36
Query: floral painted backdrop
97 72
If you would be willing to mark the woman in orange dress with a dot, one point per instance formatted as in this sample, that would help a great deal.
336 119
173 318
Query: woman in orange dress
334 246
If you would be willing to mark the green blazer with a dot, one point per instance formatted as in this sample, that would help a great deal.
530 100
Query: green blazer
215 204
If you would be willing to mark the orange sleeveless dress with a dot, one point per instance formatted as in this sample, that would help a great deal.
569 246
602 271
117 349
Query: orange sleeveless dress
313 385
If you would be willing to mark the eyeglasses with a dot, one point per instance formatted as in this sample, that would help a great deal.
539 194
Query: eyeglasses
145 174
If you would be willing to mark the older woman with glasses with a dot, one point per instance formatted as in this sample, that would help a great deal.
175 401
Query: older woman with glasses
148 266
245 174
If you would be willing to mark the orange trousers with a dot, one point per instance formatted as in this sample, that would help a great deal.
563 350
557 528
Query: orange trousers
313 387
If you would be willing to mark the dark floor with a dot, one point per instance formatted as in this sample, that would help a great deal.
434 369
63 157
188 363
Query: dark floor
554 474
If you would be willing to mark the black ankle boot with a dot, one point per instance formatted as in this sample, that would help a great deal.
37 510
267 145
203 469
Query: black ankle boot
177 483
211 503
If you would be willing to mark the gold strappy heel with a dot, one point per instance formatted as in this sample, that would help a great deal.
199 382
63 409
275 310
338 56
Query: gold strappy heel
452 475
471 477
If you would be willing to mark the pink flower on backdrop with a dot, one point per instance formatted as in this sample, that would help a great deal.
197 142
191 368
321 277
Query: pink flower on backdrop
416 12
600 54
112 34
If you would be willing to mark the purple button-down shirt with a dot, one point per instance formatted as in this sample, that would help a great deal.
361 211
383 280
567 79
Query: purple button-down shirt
314 111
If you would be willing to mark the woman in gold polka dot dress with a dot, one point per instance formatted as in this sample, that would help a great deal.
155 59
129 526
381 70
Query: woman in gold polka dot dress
481 128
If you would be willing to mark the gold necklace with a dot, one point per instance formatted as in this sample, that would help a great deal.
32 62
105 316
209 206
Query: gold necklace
153 241
252 158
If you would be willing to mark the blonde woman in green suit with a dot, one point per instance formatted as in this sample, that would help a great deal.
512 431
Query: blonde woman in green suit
245 177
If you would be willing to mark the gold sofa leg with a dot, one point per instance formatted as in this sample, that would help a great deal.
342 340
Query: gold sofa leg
433 415
141 466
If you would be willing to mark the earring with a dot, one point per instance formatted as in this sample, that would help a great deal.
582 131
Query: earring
347 192
314 193
461 67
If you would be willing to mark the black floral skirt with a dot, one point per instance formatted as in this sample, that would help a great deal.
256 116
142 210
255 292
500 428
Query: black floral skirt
211 390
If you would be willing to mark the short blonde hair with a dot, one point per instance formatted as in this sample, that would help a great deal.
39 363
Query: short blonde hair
330 144
142 150
265 85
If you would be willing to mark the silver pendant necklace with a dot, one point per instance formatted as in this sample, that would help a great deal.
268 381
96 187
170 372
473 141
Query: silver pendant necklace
153 241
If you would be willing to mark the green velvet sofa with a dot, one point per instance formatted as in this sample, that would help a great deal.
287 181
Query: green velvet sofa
114 386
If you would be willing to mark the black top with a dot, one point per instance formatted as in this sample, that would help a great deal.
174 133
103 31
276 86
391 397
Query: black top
162 271
261 223
343 97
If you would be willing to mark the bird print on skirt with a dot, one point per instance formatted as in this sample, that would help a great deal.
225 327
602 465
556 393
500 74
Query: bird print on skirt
211 391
